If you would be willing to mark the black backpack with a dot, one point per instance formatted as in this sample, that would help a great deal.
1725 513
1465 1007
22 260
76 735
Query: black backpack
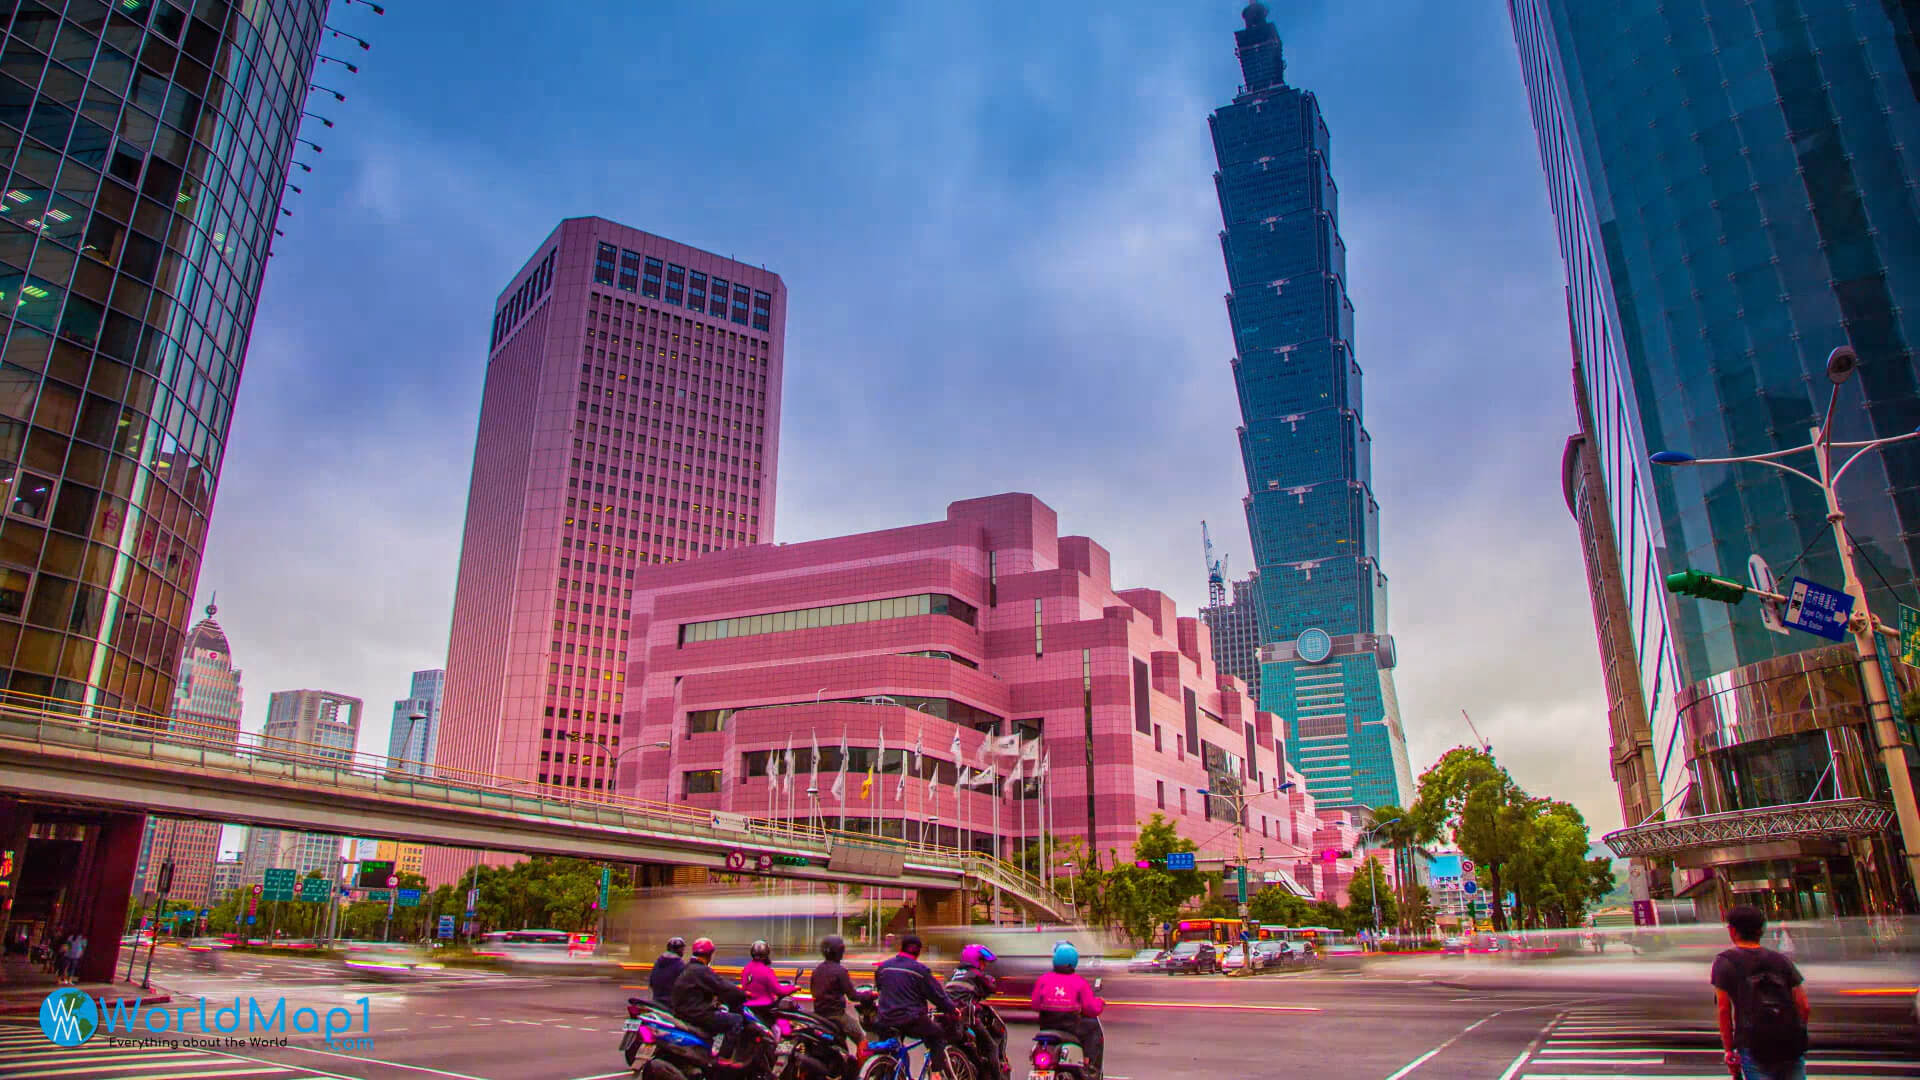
1768 1016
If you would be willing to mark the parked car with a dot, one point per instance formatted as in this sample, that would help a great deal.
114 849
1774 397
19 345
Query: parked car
1454 946
1192 958
1146 960
1235 957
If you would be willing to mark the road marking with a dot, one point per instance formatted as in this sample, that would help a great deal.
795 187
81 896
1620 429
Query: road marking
1531 1047
384 1061
1211 1005
1424 1058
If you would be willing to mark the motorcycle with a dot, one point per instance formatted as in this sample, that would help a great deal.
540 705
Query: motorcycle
984 1034
1058 1055
811 1046
660 1046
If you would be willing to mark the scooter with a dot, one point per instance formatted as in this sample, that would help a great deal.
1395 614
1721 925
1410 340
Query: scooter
660 1046
1058 1055
985 1034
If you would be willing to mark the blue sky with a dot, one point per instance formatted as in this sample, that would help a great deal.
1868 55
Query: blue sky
997 226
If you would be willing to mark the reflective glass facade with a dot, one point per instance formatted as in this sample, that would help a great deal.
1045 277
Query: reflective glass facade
1733 185
147 144
1310 507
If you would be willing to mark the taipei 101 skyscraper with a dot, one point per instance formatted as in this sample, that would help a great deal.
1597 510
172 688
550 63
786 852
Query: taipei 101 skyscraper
1326 661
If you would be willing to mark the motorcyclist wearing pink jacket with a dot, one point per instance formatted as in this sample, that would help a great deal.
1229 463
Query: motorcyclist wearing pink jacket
1066 1002
758 979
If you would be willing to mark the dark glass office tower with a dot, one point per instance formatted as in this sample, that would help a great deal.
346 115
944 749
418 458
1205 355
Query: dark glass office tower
146 144
1733 184
1326 661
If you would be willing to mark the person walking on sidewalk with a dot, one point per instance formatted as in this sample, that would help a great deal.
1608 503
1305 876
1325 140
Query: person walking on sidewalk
1762 1004
75 950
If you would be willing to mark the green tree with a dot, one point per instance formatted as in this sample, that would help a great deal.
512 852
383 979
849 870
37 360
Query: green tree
1369 885
1274 906
1468 793
1136 899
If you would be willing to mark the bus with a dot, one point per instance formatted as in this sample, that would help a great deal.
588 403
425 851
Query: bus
1218 931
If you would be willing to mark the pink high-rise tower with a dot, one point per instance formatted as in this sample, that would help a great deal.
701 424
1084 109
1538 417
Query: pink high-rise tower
631 416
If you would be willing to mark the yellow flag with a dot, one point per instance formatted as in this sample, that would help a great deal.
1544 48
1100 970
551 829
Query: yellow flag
866 786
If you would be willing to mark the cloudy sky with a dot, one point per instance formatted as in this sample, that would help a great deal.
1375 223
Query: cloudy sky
997 225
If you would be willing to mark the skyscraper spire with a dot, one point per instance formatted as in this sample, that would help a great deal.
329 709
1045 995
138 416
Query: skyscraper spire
1261 63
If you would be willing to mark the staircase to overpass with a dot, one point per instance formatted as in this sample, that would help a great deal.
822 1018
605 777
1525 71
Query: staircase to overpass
59 752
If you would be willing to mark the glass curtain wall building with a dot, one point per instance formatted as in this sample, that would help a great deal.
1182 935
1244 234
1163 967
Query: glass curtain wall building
1733 188
1326 662
146 145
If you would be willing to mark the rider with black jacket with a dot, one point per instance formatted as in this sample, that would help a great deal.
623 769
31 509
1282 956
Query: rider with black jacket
907 987
699 993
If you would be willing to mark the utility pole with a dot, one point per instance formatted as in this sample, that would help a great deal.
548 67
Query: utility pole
1239 801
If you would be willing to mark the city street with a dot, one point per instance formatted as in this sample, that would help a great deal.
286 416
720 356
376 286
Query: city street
1387 1026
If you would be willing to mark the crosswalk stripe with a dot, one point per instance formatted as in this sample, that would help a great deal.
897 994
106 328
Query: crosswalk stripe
162 1061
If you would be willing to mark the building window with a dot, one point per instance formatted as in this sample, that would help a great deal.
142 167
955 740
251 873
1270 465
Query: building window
697 291
762 310
776 622
1142 710
1160 794
629 271
603 261
700 781
705 720
1183 800
1156 739
741 294
1039 641
676 283
718 305
650 281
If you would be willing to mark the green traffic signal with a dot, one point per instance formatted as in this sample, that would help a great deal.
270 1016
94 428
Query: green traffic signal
1706 587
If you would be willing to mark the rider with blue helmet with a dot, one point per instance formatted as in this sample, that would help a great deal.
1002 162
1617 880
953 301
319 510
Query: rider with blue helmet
1066 1002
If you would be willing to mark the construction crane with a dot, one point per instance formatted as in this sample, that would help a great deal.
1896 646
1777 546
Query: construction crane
1485 746
1216 571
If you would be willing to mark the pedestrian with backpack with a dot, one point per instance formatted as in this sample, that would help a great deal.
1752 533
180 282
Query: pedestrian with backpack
1762 1004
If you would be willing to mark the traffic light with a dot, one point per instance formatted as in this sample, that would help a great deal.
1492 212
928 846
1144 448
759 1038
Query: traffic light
1706 587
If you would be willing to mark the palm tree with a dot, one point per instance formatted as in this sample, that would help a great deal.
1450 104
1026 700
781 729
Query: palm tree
1411 832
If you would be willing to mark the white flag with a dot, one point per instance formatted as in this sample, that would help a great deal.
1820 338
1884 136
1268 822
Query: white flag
813 763
1030 750
919 747
986 745
900 788
1005 745
960 782
955 748
786 771
1046 763
840 779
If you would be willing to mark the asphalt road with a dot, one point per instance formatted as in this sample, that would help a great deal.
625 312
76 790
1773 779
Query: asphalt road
1396 1022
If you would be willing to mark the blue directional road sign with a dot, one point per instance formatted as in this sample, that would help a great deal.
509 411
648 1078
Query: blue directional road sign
446 926
1818 610
1179 860
250 919
1469 887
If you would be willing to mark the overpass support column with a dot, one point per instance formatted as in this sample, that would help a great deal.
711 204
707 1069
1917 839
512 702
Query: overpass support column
944 907
105 889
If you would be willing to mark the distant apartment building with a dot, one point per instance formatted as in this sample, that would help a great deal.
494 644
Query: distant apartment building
631 418
1235 626
206 705
416 721
319 723
226 877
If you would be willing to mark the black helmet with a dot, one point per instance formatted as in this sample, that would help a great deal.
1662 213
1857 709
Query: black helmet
761 951
833 947
677 945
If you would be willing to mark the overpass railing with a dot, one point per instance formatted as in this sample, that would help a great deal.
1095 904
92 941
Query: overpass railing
177 741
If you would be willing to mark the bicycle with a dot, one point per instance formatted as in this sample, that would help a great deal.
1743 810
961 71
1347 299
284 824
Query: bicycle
893 1060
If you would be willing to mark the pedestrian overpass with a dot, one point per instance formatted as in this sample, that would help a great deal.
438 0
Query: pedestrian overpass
93 758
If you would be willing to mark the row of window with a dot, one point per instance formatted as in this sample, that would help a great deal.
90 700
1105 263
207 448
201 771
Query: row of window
896 607
522 301
958 712
683 288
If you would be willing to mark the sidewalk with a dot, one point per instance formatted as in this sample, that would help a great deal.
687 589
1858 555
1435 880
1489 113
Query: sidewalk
23 987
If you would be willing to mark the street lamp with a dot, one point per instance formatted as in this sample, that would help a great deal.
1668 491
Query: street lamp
1373 886
1239 800
1841 364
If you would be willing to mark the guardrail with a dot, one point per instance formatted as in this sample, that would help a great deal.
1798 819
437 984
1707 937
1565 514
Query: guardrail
137 736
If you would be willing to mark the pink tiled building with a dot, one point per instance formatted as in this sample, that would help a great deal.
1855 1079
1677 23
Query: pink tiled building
631 418
988 632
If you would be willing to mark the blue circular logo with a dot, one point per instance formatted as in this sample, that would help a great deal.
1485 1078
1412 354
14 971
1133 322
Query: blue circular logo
68 1017
1313 645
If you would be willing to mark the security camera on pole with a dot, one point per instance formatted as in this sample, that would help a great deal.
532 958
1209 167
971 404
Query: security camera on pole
1848 614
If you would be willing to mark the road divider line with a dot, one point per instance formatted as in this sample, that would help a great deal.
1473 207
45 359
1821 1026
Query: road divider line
1429 1055
382 1061
1531 1047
